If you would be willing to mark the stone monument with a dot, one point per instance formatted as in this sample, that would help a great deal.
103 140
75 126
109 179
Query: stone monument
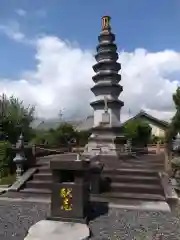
106 137
69 202
70 189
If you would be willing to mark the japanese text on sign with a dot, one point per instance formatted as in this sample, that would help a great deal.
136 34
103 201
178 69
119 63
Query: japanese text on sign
66 194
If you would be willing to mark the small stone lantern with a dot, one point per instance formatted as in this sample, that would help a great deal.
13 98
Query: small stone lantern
20 158
176 162
176 143
129 146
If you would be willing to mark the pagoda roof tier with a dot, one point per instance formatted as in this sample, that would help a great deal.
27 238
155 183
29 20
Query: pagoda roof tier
107 75
106 36
111 103
107 87
107 64
106 46
106 55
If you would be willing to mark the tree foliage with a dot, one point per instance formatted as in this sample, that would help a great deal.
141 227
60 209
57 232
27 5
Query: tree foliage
6 164
174 127
137 130
156 139
15 117
62 135
82 137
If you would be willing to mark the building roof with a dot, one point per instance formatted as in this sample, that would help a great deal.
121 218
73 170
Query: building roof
86 124
143 114
54 123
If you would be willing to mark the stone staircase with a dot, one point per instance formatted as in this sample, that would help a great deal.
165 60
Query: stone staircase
135 179
41 181
130 183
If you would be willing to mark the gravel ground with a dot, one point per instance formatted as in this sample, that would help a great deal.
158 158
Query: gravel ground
17 217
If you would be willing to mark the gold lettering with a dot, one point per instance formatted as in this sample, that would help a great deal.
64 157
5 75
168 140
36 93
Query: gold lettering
66 194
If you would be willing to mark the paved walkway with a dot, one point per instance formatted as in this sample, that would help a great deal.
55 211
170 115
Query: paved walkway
17 217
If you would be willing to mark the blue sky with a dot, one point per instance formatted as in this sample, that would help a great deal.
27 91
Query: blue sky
153 25
45 41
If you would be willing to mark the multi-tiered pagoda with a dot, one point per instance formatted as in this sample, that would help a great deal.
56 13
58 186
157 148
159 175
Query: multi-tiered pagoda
106 131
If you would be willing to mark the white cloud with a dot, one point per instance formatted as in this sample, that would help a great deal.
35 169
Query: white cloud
62 80
21 12
12 31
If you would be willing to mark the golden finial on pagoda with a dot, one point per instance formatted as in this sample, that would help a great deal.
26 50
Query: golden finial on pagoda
106 23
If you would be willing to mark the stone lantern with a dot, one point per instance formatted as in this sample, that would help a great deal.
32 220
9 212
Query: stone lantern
20 158
129 146
176 143
176 162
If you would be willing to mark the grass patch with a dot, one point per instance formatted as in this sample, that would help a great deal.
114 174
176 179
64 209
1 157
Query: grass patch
8 180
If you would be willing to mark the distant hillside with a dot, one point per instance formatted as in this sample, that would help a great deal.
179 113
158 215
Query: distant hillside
47 124
84 124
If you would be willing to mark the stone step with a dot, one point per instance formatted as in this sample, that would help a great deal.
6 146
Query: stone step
144 161
132 178
114 196
44 159
136 188
135 204
142 166
36 191
38 184
130 171
44 169
43 176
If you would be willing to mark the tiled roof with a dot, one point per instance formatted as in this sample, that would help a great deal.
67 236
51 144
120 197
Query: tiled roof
86 124
150 117
53 124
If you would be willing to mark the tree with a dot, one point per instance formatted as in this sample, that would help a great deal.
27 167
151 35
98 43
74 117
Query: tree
82 137
15 117
62 135
155 139
174 126
137 130
65 133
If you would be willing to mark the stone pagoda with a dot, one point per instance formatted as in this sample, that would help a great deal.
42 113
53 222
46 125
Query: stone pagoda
106 137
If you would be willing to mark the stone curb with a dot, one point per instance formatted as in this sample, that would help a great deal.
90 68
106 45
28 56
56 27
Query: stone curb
20 182
2 191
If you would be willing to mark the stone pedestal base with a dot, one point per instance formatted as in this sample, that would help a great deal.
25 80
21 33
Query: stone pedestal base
105 143
54 230
93 148
108 144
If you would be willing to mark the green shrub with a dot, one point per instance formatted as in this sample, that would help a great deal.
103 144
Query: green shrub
8 180
156 139
138 131
5 158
